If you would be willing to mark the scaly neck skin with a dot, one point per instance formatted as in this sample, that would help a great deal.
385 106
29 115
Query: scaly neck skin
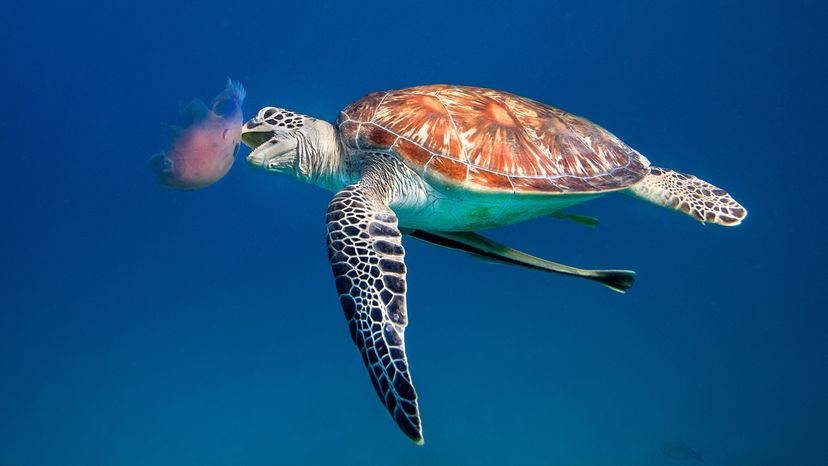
322 160
319 157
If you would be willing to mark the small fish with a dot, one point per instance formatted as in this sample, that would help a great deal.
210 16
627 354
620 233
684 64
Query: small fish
204 149
680 451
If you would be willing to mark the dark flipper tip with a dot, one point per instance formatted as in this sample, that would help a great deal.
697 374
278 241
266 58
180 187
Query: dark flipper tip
616 280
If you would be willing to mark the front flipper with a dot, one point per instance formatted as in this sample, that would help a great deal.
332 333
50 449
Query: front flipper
366 254
480 246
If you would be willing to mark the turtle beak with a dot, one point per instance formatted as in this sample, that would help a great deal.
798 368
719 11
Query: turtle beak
272 151
254 133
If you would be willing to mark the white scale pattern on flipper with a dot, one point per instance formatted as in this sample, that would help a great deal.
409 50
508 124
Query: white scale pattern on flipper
366 254
686 193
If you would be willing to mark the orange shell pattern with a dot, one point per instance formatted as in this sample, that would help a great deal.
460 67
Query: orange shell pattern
490 140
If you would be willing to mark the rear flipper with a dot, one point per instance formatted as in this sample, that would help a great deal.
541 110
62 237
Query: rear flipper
582 219
481 247
693 196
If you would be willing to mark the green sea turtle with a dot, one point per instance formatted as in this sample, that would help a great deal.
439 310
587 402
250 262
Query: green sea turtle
437 163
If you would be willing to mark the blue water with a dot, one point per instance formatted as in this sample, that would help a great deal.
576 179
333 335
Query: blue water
145 326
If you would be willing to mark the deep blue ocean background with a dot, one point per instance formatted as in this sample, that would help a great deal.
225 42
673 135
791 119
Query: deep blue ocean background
145 326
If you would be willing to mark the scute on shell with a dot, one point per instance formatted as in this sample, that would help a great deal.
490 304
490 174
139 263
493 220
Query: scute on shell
490 141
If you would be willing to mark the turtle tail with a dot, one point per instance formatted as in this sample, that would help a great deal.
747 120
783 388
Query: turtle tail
686 193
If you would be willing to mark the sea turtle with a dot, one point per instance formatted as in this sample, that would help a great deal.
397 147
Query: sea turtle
438 162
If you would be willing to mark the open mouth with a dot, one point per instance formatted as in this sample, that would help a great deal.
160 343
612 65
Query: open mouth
254 139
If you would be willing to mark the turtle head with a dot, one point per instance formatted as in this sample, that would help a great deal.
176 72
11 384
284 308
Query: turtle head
274 135
289 142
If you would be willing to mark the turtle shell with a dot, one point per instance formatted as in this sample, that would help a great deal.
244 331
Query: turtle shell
487 140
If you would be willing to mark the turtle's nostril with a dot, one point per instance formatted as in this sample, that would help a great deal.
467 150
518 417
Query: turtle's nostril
252 124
